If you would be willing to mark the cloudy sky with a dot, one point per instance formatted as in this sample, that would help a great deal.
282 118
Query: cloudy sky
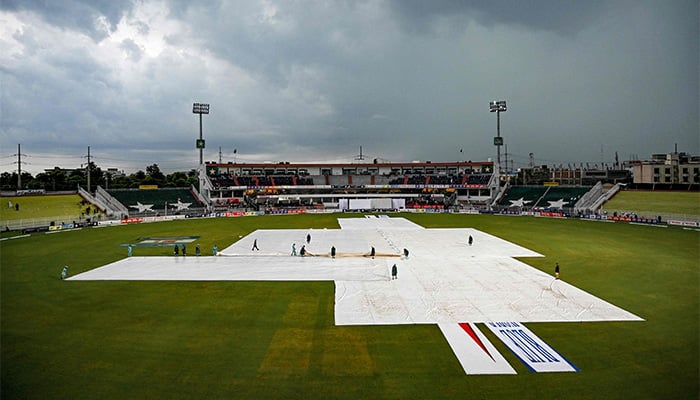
315 80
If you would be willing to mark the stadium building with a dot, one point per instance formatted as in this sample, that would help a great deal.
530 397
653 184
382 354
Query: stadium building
667 170
286 187
350 186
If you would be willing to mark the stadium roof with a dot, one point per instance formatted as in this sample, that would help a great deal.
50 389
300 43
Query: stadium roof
354 164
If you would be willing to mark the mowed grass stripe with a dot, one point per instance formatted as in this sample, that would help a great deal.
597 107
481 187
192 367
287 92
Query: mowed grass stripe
345 353
288 354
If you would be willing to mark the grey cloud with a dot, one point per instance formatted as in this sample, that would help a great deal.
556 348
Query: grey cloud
133 50
80 15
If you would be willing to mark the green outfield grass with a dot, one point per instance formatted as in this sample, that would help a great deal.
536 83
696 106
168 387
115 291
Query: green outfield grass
656 201
262 340
41 207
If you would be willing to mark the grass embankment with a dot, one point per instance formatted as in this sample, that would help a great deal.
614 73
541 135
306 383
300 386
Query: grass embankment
41 207
655 201
278 340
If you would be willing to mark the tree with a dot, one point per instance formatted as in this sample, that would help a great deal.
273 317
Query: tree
96 175
137 178
177 179
37 182
75 180
8 181
153 171
119 182
56 179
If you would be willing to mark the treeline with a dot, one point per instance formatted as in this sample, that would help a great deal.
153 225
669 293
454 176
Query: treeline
59 179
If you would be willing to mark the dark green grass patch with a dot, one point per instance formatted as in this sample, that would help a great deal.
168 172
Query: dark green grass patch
259 340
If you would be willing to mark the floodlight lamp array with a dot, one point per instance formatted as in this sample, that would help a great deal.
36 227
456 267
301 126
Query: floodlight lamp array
497 106
200 108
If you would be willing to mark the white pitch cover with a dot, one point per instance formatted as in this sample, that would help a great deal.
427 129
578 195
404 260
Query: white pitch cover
474 351
537 355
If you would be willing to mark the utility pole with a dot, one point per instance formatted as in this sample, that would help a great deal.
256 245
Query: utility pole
360 157
219 154
19 166
87 170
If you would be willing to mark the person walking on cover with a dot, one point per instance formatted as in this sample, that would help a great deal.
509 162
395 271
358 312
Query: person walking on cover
197 252
294 249
184 250
405 253
302 252
64 272
129 250
394 272
214 250
371 252
255 245
176 251
308 238
556 270
471 240
332 251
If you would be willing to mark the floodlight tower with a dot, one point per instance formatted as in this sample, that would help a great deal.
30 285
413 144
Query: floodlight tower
498 106
200 108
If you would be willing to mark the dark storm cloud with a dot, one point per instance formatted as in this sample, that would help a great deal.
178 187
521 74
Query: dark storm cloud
303 81
565 17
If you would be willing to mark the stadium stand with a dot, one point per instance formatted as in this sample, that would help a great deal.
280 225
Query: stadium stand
539 197
570 195
478 179
227 180
530 194
158 199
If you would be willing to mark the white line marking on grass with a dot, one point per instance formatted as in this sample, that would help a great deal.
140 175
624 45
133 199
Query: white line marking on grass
15 237
63 230
654 225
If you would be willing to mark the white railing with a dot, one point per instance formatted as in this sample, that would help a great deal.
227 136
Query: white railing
589 198
605 197
113 206
94 200
499 194
200 196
